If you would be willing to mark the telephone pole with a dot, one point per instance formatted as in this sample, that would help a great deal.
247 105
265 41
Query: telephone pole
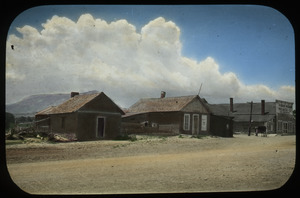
250 121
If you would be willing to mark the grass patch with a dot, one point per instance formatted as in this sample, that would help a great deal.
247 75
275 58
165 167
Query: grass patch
131 138
12 142
29 141
199 136
162 139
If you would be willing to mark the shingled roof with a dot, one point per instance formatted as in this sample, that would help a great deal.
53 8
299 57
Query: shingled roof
46 111
243 108
241 111
161 104
220 109
73 104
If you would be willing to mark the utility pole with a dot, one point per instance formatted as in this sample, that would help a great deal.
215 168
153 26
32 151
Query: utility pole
250 121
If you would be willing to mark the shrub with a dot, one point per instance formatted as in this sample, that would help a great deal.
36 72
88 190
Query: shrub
126 137
9 120
198 136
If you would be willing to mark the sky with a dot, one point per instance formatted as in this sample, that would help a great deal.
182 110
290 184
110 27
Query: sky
134 51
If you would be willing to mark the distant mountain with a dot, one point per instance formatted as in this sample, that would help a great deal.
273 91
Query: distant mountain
30 105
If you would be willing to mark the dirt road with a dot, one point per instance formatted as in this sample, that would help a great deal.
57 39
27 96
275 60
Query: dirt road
153 165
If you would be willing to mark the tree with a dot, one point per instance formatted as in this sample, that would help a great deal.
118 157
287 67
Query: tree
9 120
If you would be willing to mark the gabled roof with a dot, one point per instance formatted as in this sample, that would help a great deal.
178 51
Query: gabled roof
167 104
242 108
220 109
46 111
73 104
241 111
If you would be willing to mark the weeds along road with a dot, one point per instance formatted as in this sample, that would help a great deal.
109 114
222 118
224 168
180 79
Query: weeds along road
153 165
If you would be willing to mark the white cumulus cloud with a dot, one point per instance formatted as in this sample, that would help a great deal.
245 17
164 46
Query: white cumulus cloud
92 54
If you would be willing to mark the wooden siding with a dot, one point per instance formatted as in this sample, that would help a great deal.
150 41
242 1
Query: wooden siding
63 123
201 132
221 126
103 104
172 120
87 125
169 113
195 106
79 115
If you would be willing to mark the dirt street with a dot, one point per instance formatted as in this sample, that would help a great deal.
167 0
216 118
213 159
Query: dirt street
153 165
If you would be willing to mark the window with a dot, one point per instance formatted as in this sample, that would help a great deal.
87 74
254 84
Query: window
186 122
203 122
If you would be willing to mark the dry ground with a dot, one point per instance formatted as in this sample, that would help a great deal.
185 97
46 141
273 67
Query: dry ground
153 165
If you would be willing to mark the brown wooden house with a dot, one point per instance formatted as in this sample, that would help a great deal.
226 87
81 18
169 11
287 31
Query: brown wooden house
91 116
185 114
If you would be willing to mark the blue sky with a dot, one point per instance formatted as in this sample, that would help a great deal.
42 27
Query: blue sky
249 40
256 43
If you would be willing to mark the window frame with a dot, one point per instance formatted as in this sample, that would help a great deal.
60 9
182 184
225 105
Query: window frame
204 121
186 122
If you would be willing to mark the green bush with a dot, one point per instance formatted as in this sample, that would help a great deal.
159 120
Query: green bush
9 120
126 137
198 136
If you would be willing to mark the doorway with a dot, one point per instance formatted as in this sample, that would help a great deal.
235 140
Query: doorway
195 125
100 127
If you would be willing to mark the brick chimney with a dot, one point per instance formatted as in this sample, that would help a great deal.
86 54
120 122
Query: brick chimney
231 104
74 94
262 107
162 94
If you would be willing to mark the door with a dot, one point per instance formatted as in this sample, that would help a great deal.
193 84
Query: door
195 129
100 126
